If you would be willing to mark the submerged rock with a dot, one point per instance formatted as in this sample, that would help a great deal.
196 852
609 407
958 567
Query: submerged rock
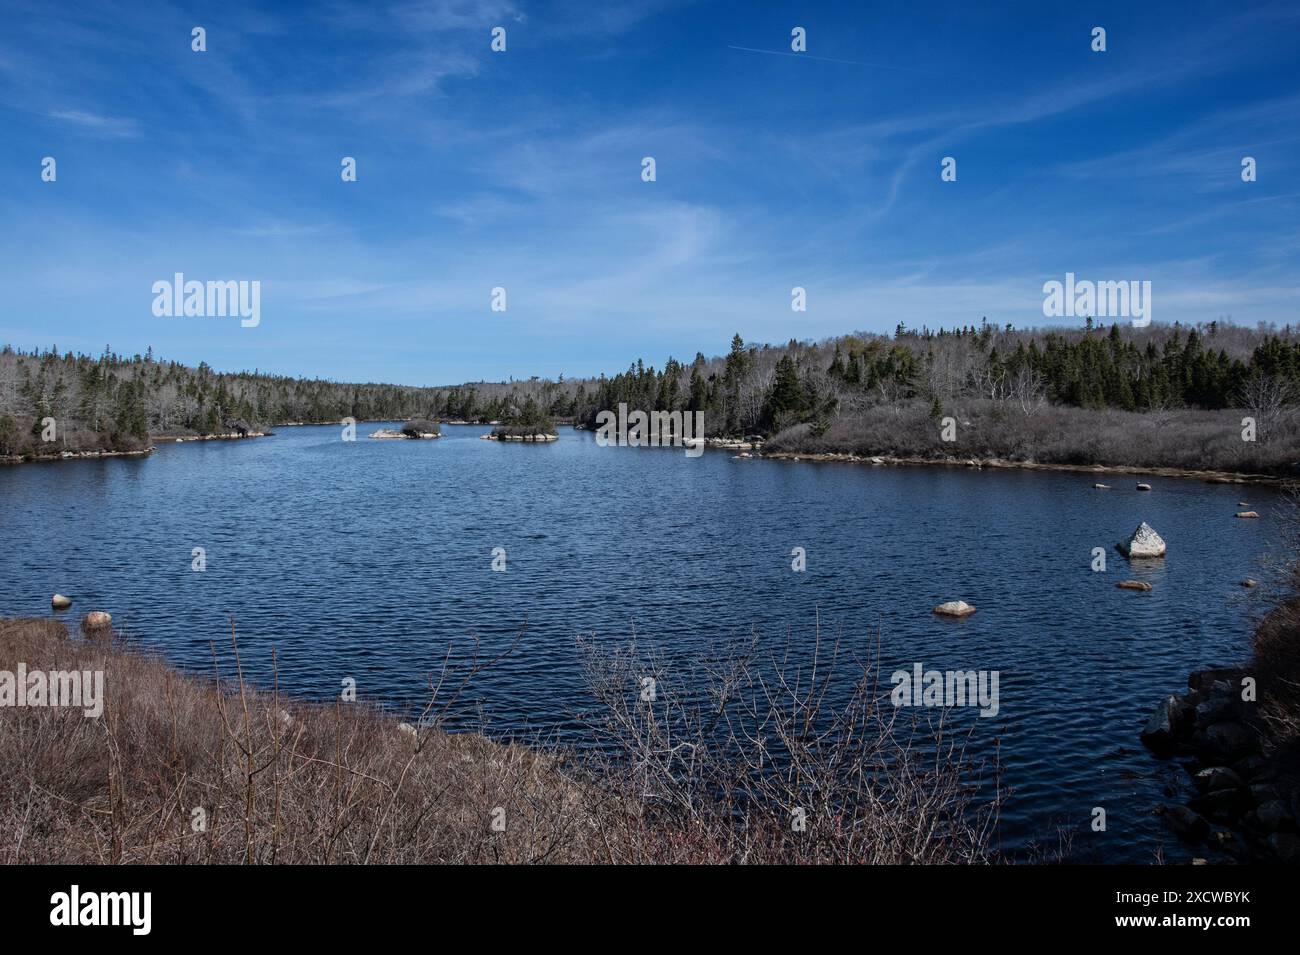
1248 514
1133 585
1144 542
954 608
1144 487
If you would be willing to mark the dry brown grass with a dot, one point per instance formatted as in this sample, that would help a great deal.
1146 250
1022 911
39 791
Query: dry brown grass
285 782
331 784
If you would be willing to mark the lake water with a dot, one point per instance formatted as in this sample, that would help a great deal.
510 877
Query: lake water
365 559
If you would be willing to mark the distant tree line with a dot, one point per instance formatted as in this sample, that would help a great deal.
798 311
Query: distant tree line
118 402
114 402
767 389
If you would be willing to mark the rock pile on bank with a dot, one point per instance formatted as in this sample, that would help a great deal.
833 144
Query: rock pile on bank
1241 806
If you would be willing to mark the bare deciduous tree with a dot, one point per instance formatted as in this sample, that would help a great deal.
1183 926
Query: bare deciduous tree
1270 399
1028 390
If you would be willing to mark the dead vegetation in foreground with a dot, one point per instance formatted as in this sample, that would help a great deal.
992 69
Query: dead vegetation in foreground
183 770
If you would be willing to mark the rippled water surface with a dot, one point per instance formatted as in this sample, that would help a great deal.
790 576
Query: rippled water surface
365 559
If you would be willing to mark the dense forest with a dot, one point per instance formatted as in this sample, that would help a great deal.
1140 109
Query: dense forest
767 389
842 393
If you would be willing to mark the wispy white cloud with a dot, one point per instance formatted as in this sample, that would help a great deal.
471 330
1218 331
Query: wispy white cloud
109 127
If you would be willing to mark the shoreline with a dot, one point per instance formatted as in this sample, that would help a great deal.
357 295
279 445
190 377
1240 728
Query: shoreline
94 453
15 459
1234 803
877 460
750 450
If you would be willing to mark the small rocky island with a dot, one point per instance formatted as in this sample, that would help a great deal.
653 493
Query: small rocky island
415 429
531 422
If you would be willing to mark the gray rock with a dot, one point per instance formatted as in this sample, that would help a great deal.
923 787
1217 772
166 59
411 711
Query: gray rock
1286 846
1253 767
1274 817
1229 740
1143 542
1221 804
1262 793
1185 823
954 608
1217 777
1170 721
1217 709
1202 680
1228 841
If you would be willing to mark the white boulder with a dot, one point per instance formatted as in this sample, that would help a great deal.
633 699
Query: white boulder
954 608
1144 542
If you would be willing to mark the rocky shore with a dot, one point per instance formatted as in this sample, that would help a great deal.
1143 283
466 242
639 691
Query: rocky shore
223 436
1246 799
1212 477
74 455
520 437
77 454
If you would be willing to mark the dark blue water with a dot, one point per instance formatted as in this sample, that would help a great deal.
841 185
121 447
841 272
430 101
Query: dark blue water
366 559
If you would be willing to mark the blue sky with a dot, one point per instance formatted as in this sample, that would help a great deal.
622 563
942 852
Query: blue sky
522 170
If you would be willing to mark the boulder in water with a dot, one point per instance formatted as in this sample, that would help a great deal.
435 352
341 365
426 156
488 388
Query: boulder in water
954 608
60 602
1171 720
1144 542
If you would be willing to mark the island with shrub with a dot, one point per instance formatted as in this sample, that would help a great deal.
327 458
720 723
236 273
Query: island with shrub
532 422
